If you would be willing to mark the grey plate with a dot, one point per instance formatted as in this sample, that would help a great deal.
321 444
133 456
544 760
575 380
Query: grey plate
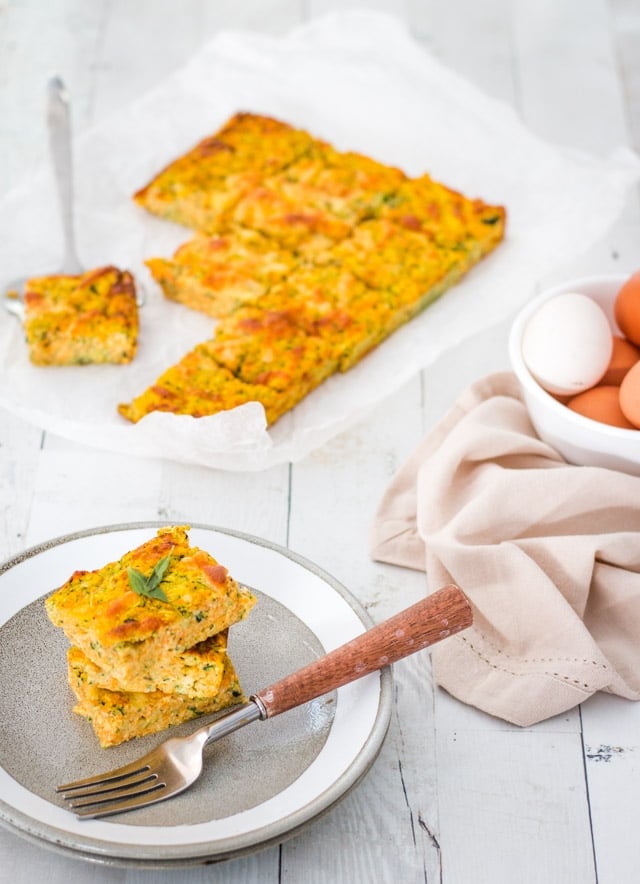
259 786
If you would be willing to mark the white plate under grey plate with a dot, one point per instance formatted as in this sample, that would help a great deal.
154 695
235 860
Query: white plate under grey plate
259 785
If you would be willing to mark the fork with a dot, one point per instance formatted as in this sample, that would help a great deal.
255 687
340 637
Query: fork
59 125
177 763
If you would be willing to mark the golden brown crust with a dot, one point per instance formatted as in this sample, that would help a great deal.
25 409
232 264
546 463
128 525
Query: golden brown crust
125 632
345 249
78 320
321 196
217 274
199 386
446 216
149 637
204 184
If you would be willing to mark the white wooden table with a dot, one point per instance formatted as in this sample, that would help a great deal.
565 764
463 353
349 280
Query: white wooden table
455 796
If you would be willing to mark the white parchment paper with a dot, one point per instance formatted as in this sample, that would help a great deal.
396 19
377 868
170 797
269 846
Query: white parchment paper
359 81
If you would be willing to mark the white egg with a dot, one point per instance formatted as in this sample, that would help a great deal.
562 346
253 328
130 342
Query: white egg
567 344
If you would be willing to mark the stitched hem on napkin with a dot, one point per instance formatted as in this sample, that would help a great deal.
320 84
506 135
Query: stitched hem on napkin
548 553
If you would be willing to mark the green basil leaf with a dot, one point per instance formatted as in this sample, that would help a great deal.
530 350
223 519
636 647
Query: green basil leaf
157 575
137 581
157 593
140 585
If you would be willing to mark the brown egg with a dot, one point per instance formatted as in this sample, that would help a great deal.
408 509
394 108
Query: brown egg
627 308
601 404
624 355
630 395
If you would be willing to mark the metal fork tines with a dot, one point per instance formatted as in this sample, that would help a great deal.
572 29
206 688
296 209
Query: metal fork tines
177 763
124 788
166 771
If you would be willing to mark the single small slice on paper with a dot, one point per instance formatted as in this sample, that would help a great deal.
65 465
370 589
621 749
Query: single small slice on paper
91 318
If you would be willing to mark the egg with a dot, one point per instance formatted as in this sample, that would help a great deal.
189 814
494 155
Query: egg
623 356
601 404
567 344
626 308
630 395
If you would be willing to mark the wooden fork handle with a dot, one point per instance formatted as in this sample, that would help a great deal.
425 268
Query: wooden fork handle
442 614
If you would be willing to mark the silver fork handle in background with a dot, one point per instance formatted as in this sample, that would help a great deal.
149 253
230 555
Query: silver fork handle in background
59 123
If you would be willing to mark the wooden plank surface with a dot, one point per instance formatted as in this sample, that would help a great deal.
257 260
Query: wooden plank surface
455 796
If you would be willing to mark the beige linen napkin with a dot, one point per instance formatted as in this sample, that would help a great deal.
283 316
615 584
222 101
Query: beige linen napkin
548 553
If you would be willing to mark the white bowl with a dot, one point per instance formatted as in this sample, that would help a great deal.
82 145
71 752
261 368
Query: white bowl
578 439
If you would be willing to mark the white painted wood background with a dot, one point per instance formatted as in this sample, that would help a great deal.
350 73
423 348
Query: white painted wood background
455 796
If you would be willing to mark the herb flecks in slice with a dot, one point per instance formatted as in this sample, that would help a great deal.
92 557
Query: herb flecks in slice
150 586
